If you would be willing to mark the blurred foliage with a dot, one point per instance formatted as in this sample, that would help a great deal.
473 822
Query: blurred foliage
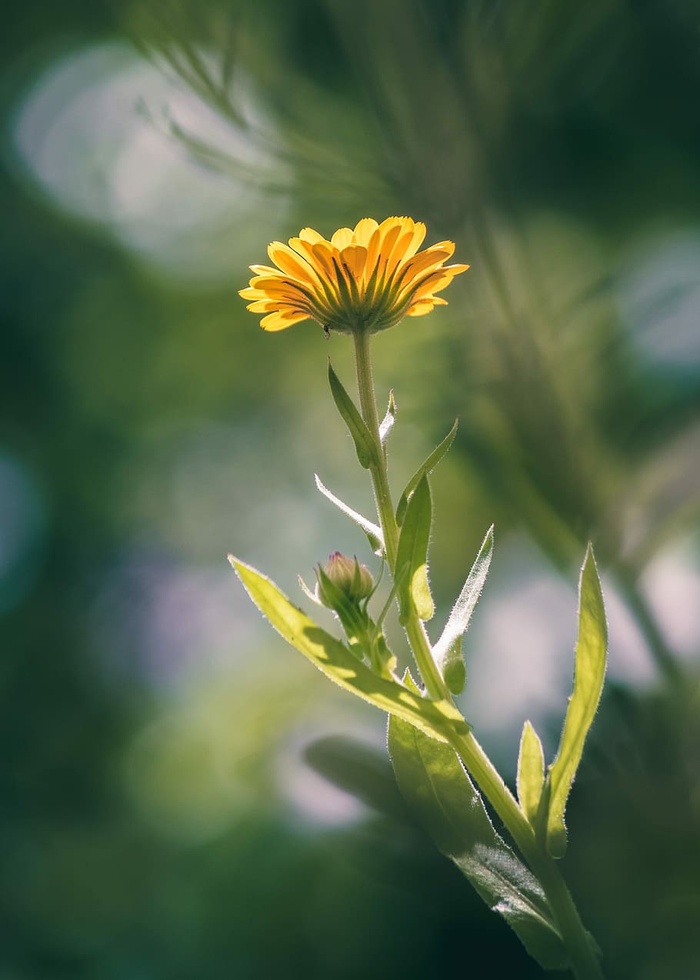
148 426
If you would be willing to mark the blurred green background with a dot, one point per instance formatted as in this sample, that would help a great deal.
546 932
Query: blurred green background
180 796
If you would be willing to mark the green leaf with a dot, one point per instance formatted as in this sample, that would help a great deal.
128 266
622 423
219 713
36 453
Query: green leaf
365 445
436 786
412 554
589 674
424 470
387 423
373 531
530 773
438 719
448 649
360 769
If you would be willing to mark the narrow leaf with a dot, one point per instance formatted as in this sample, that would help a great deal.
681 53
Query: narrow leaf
360 769
387 423
412 554
530 772
373 531
424 470
364 443
446 802
589 674
448 648
438 719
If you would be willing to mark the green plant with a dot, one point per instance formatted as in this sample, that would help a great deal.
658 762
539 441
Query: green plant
362 281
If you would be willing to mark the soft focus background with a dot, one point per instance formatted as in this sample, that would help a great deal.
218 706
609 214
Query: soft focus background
180 796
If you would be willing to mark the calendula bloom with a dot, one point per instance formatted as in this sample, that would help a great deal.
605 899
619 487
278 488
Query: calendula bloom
363 279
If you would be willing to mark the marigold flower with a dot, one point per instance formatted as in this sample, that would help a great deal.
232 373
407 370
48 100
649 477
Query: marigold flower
363 279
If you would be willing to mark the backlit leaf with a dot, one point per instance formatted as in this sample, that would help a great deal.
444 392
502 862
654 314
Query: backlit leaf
365 445
589 674
412 554
530 772
438 789
436 718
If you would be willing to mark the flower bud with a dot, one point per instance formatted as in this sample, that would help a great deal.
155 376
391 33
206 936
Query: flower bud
344 578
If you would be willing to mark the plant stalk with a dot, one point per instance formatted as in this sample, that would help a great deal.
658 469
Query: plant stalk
584 961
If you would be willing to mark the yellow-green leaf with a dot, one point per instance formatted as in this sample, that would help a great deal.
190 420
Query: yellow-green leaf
365 445
436 786
589 674
412 554
435 718
530 772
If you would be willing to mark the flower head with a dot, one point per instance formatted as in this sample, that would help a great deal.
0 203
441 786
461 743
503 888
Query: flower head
363 279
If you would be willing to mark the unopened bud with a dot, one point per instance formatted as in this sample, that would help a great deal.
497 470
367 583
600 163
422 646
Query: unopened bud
346 576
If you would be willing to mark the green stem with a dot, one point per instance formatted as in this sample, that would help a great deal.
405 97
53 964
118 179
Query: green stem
584 962
415 630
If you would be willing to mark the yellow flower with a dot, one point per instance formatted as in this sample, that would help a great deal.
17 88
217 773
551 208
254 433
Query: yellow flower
366 279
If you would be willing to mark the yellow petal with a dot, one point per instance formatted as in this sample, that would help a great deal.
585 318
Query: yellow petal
305 249
276 287
363 230
264 270
387 243
420 264
280 321
341 238
354 257
323 254
432 284
311 235
290 263
420 308
263 306
446 246
417 236
398 252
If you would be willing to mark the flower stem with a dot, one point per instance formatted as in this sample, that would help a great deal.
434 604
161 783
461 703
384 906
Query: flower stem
415 630
584 961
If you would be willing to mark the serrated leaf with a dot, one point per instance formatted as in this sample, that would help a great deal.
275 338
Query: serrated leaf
530 778
425 469
387 423
448 648
589 674
435 718
372 530
365 446
412 554
436 786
